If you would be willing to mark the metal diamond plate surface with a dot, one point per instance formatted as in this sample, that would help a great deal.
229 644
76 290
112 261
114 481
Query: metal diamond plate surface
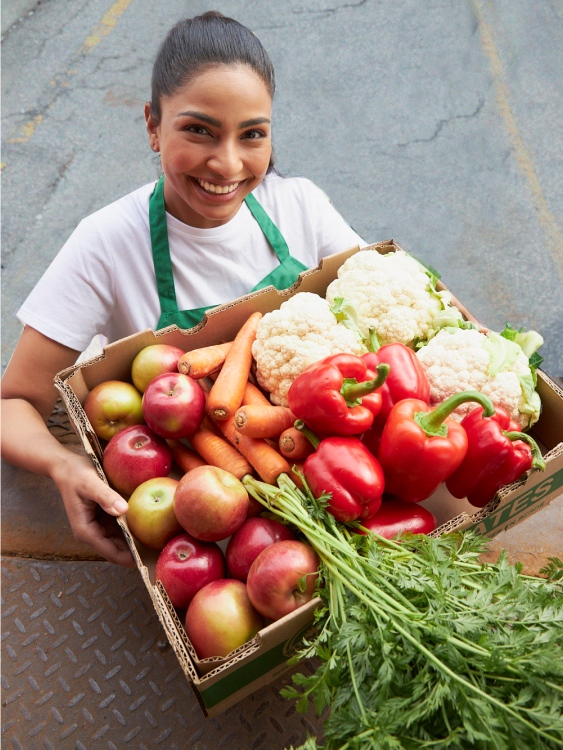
86 666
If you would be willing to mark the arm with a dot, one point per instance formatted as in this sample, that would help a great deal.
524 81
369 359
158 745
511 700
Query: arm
28 398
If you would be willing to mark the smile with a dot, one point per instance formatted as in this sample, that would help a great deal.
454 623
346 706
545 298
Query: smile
210 187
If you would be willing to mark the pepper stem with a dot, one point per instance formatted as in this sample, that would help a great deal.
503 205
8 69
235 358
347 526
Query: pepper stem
431 422
372 342
300 425
352 390
538 461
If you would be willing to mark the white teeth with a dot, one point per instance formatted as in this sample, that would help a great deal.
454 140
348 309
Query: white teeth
212 188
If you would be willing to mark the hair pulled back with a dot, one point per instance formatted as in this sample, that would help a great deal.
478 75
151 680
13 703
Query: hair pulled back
194 44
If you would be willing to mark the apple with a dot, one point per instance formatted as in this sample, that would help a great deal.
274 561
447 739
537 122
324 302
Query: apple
220 618
186 565
174 405
282 578
154 360
112 405
133 455
150 513
255 534
395 516
210 503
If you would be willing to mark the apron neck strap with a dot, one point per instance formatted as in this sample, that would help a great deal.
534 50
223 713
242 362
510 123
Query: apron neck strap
160 250
271 232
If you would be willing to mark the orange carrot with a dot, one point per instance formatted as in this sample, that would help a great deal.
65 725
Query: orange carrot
218 452
294 445
267 462
199 363
227 391
253 395
263 420
184 457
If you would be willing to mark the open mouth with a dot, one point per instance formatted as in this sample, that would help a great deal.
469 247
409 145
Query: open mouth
213 189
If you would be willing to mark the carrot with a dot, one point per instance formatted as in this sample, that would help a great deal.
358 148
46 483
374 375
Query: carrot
199 363
227 391
253 395
184 457
263 420
267 462
218 452
294 445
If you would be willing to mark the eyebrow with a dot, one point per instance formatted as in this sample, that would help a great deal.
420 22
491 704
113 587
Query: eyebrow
217 123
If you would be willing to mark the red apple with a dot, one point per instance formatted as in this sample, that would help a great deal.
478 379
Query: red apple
112 405
174 405
186 565
282 578
133 455
245 545
220 618
210 503
395 516
150 512
154 360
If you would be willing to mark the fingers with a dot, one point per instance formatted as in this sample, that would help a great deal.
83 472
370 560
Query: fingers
110 501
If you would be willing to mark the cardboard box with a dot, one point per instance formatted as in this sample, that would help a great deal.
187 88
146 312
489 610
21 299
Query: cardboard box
219 683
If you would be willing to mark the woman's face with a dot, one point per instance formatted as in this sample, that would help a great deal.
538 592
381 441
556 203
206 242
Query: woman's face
214 139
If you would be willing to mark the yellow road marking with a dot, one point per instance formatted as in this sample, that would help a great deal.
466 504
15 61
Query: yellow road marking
27 130
106 25
521 151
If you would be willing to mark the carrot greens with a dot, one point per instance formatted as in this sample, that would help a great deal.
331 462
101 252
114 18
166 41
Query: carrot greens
419 645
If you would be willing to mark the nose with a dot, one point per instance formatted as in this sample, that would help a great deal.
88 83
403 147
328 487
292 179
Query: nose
226 160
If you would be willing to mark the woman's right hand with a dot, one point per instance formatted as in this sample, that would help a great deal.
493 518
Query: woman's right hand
92 507
28 398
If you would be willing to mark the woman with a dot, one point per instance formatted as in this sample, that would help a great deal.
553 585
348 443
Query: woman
219 224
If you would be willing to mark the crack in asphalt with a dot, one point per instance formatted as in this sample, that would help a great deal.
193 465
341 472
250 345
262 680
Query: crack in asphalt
443 122
330 11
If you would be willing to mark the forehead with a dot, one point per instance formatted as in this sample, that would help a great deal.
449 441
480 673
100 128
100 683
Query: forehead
227 83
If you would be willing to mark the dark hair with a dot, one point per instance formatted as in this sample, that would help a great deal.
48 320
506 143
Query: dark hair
194 44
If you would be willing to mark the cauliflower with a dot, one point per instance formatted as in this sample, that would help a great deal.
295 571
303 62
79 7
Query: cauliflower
393 295
301 332
463 360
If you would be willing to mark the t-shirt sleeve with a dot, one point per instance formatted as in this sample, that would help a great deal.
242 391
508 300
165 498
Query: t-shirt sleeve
74 299
333 233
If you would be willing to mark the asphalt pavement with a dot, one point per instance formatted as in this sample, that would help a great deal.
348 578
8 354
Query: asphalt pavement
437 124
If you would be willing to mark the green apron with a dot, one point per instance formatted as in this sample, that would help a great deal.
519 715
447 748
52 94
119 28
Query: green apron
282 277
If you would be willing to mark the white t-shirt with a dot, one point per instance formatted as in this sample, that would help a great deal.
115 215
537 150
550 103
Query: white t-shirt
102 282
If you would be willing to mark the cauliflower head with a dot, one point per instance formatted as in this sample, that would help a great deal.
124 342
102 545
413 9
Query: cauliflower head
458 359
302 331
393 295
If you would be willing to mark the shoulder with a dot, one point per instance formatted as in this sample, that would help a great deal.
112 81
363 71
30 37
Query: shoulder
130 211
274 187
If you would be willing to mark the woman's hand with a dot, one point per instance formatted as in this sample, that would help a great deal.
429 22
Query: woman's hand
91 507
28 398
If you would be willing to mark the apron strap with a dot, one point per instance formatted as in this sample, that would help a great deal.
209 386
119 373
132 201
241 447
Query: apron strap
271 232
161 251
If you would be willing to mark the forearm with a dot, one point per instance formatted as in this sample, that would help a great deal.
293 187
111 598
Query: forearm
27 442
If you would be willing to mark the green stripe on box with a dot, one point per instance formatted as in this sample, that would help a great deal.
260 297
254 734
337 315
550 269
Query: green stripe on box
520 504
250 671
243 676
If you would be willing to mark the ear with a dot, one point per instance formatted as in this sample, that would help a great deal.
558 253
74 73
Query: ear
152 128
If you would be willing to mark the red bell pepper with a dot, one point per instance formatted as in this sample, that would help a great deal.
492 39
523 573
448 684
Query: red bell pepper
420 449
406 378
337 395
397 517
343 467
498 453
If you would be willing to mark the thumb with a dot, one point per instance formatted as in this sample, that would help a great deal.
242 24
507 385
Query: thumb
111 501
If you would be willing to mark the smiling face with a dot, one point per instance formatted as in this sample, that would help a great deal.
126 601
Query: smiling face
214 139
